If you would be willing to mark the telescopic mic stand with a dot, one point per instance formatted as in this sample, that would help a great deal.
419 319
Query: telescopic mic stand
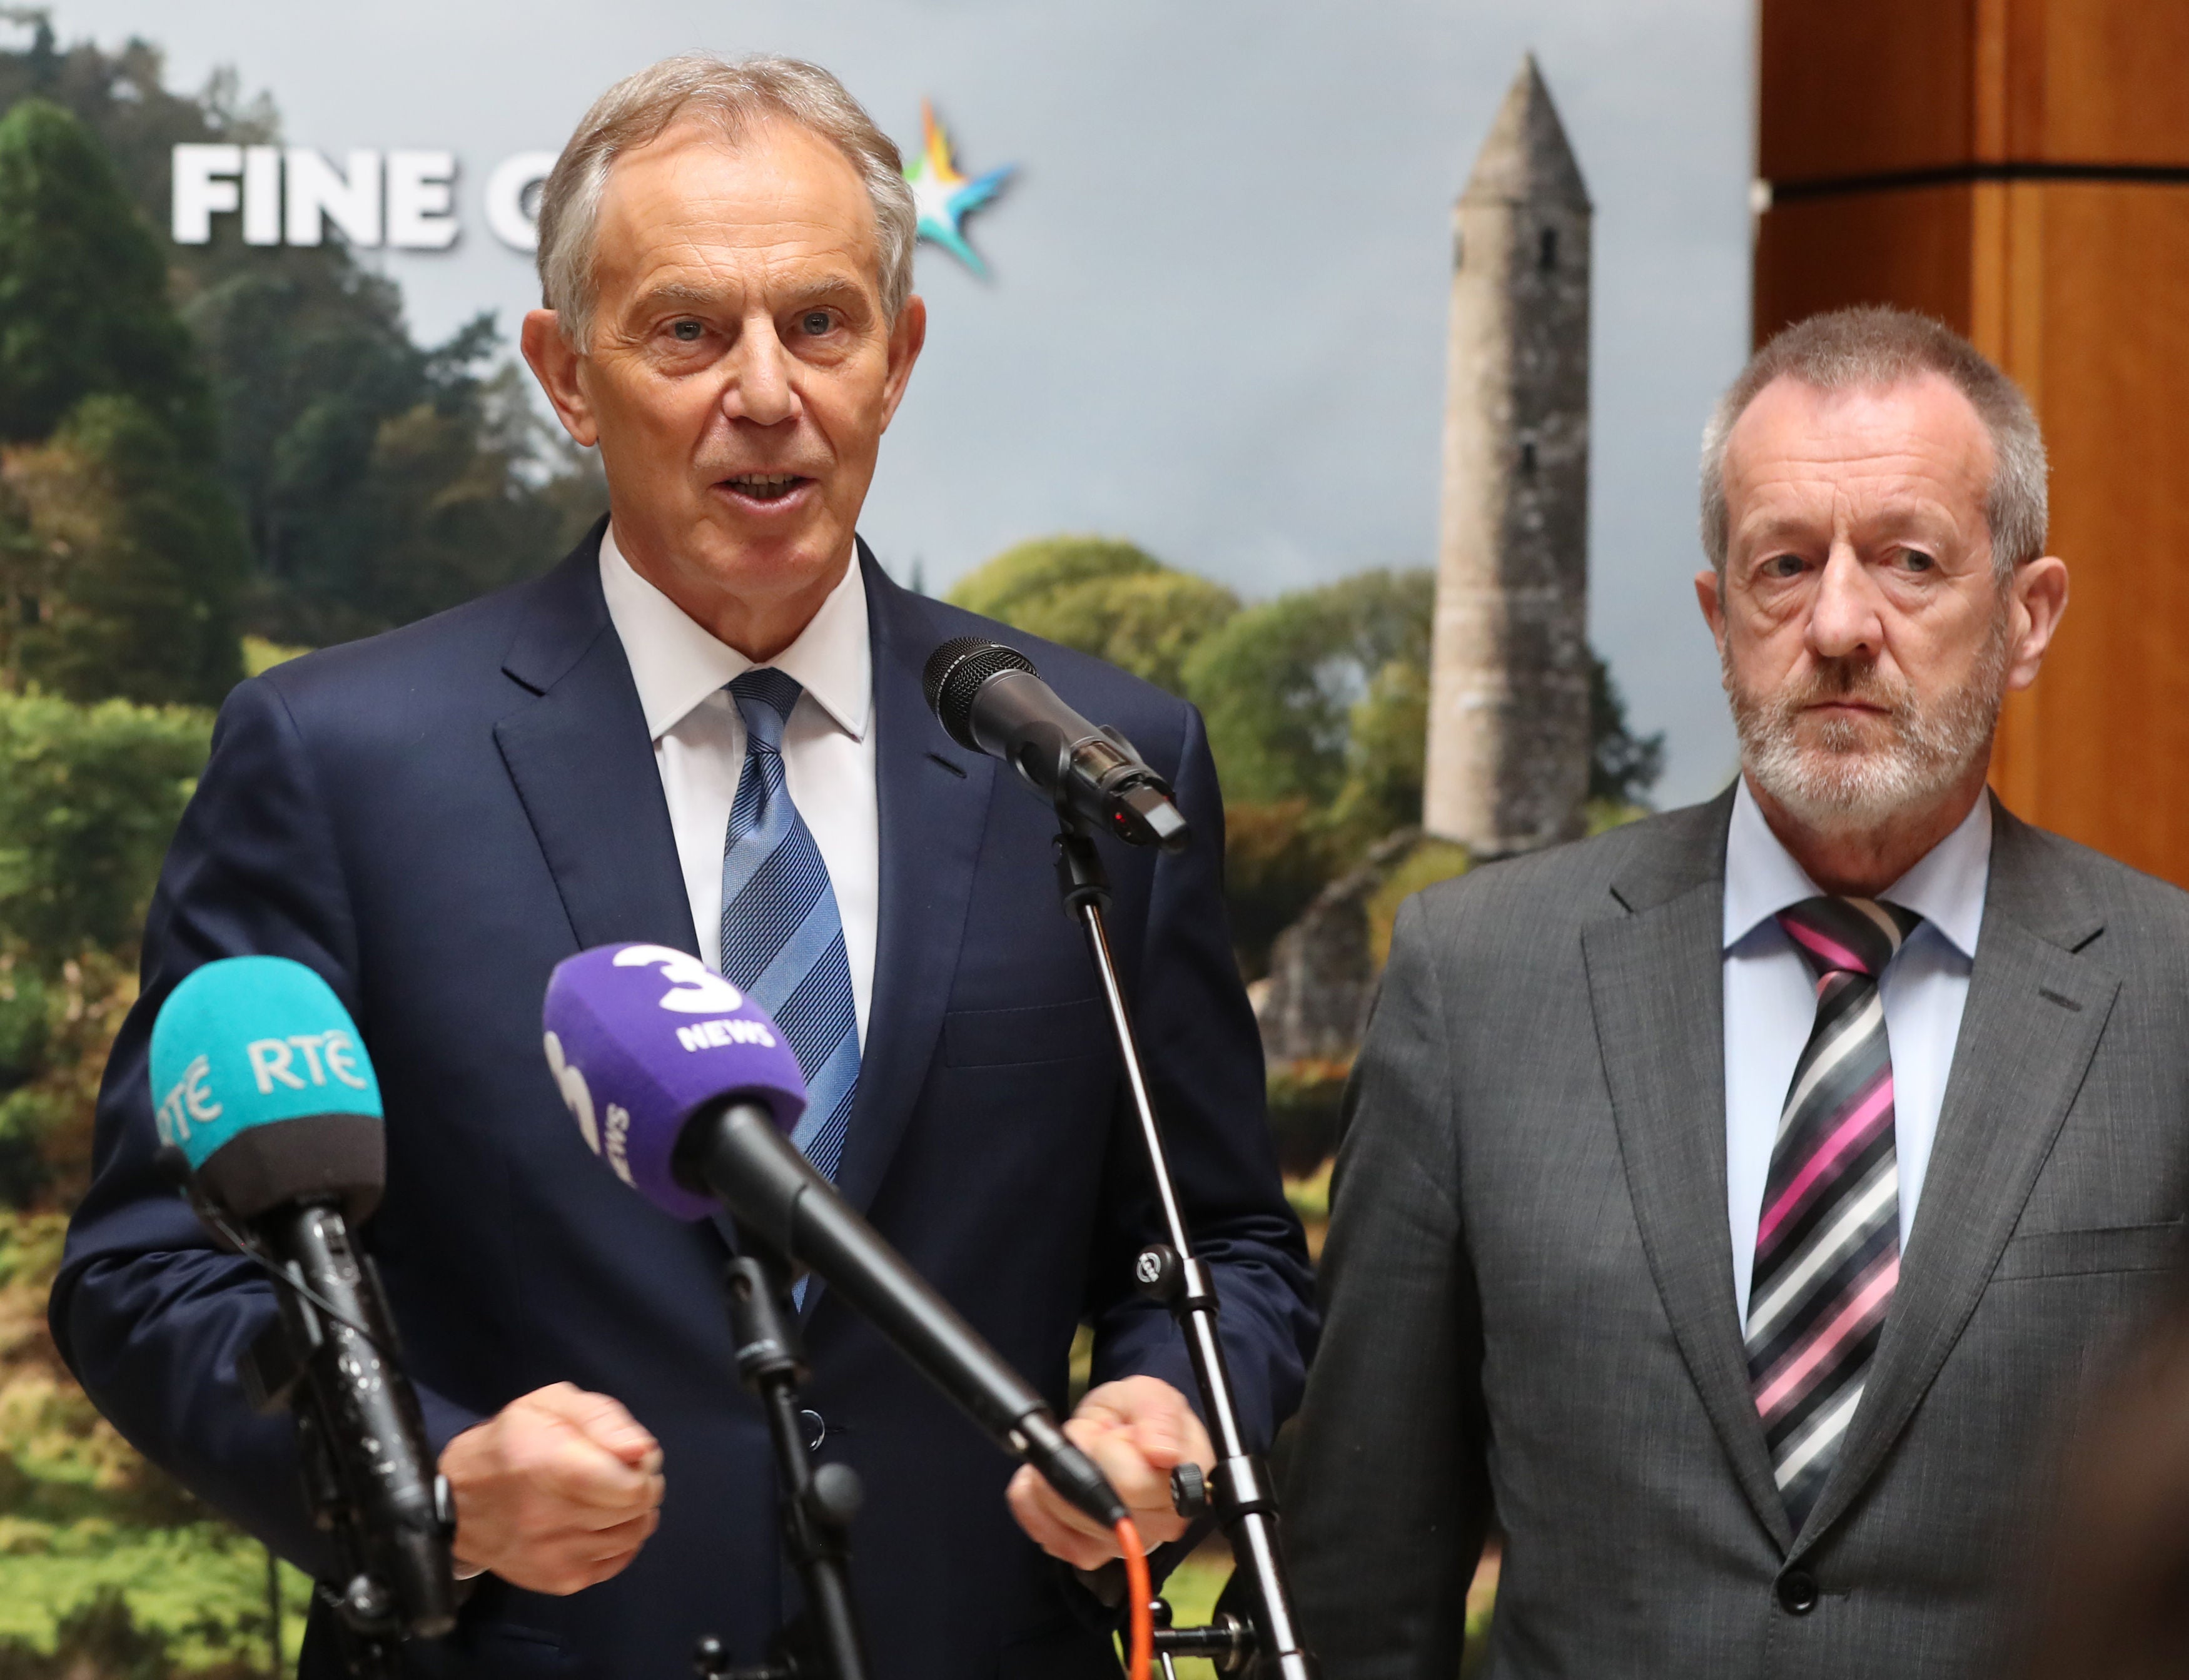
1240 1493
824 1642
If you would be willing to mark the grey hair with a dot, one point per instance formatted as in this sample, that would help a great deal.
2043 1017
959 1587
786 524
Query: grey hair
1871 347
735 96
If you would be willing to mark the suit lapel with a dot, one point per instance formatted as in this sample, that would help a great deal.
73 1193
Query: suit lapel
582 762
1656 978
933 801
2035 1009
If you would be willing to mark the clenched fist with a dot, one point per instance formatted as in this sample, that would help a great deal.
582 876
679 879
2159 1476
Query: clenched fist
555 1493
1137 1431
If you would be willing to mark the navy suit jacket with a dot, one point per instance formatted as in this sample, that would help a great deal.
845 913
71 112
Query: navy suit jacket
433 819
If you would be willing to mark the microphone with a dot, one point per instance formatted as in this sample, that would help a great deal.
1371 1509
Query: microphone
991 700
269 1118
687 1090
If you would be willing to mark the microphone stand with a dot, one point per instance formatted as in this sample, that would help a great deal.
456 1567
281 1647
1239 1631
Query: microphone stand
1240 1493
824 1642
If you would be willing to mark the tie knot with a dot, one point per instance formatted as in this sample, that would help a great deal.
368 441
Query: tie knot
1848 935
764 698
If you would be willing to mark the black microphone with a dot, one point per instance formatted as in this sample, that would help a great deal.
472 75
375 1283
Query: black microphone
735 1152
269 1118
693 1078
991 700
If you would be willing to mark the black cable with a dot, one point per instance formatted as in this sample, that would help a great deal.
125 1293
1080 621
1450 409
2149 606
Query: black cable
248 1246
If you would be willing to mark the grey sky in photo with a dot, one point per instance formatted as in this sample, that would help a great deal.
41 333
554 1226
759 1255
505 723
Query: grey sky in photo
1216 316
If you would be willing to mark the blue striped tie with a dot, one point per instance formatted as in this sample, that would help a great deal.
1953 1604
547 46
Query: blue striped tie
781 940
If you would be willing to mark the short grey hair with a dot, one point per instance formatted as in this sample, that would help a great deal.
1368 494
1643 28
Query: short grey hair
1872 347
735 95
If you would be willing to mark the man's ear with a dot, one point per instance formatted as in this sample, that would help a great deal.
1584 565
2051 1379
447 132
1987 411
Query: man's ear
2039 600
908 335
1710 597
555 365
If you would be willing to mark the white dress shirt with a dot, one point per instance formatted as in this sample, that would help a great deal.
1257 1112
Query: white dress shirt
1771 1004
682 673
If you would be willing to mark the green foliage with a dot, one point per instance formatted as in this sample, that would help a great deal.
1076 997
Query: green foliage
1427 862
1278 683
1623 766
380 482
1386 754
1276 858
83 303
1104 597
126 579
89 799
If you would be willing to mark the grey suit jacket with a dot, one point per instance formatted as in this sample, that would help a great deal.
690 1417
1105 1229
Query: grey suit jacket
1529 1295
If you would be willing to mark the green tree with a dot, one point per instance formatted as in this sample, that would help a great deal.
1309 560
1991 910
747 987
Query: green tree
1280 682
126 565
1105 597
83 300
1622 767
88 797
378 480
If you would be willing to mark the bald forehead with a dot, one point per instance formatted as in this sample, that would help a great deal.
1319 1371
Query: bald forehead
1923 423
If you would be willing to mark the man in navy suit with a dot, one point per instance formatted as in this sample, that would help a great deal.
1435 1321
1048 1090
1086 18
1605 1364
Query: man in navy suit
716 694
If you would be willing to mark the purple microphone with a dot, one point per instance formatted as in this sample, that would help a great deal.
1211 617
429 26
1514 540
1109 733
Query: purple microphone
641 1038
687 1090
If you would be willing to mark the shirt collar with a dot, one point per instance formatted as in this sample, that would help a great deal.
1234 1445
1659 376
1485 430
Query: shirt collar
677 664
1946 887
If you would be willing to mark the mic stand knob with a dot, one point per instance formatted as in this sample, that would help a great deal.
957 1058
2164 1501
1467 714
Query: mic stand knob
1189 1491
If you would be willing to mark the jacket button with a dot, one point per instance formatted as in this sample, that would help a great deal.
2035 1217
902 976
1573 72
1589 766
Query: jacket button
1797 1592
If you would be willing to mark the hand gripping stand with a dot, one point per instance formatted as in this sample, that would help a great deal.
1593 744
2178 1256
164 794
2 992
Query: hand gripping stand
1240 1493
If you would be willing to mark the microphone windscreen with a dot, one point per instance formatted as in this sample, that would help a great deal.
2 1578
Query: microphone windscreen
259 1079
640 1038
953 675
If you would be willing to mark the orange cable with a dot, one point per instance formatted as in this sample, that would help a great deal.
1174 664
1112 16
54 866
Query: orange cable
1141 1593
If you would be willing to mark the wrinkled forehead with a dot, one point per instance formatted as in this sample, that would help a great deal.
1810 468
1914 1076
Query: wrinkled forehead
1913 441
697 196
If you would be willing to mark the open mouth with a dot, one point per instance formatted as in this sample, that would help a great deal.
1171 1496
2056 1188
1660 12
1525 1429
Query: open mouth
765 486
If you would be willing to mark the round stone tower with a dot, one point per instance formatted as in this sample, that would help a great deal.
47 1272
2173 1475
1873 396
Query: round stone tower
1509 738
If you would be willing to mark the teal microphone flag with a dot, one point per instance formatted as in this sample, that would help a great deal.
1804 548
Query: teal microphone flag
260 1080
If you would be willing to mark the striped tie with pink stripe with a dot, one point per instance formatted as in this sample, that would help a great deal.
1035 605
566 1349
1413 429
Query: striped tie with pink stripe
1828 1243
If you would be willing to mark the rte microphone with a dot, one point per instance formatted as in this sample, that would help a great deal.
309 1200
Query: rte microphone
687 1090
269 1116
991 700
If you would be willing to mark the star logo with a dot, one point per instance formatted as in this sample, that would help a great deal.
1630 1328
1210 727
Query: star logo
945 197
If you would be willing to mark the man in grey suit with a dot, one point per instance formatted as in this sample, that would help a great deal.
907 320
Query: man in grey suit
1645 1126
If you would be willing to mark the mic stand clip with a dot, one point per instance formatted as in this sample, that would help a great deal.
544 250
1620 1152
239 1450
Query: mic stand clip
1240 1493
824 1642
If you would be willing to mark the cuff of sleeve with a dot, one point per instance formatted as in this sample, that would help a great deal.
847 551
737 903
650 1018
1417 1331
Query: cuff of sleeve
445 1420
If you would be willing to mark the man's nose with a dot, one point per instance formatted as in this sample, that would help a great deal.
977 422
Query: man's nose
760 388
1844 617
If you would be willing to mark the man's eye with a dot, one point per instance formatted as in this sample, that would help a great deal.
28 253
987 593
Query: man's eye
817 322
1915 560
1783 566
688 331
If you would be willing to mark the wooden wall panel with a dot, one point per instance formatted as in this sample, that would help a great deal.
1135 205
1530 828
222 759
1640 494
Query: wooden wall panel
2099 81
2101 749
1911 247
1863 86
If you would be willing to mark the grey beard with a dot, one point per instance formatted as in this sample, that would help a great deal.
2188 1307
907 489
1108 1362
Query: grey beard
1834 782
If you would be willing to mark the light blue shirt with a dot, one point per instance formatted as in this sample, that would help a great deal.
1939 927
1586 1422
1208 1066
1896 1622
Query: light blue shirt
1771 1004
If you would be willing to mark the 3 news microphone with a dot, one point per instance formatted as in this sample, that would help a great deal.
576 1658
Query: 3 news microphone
991 700
270 1115
687 1090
